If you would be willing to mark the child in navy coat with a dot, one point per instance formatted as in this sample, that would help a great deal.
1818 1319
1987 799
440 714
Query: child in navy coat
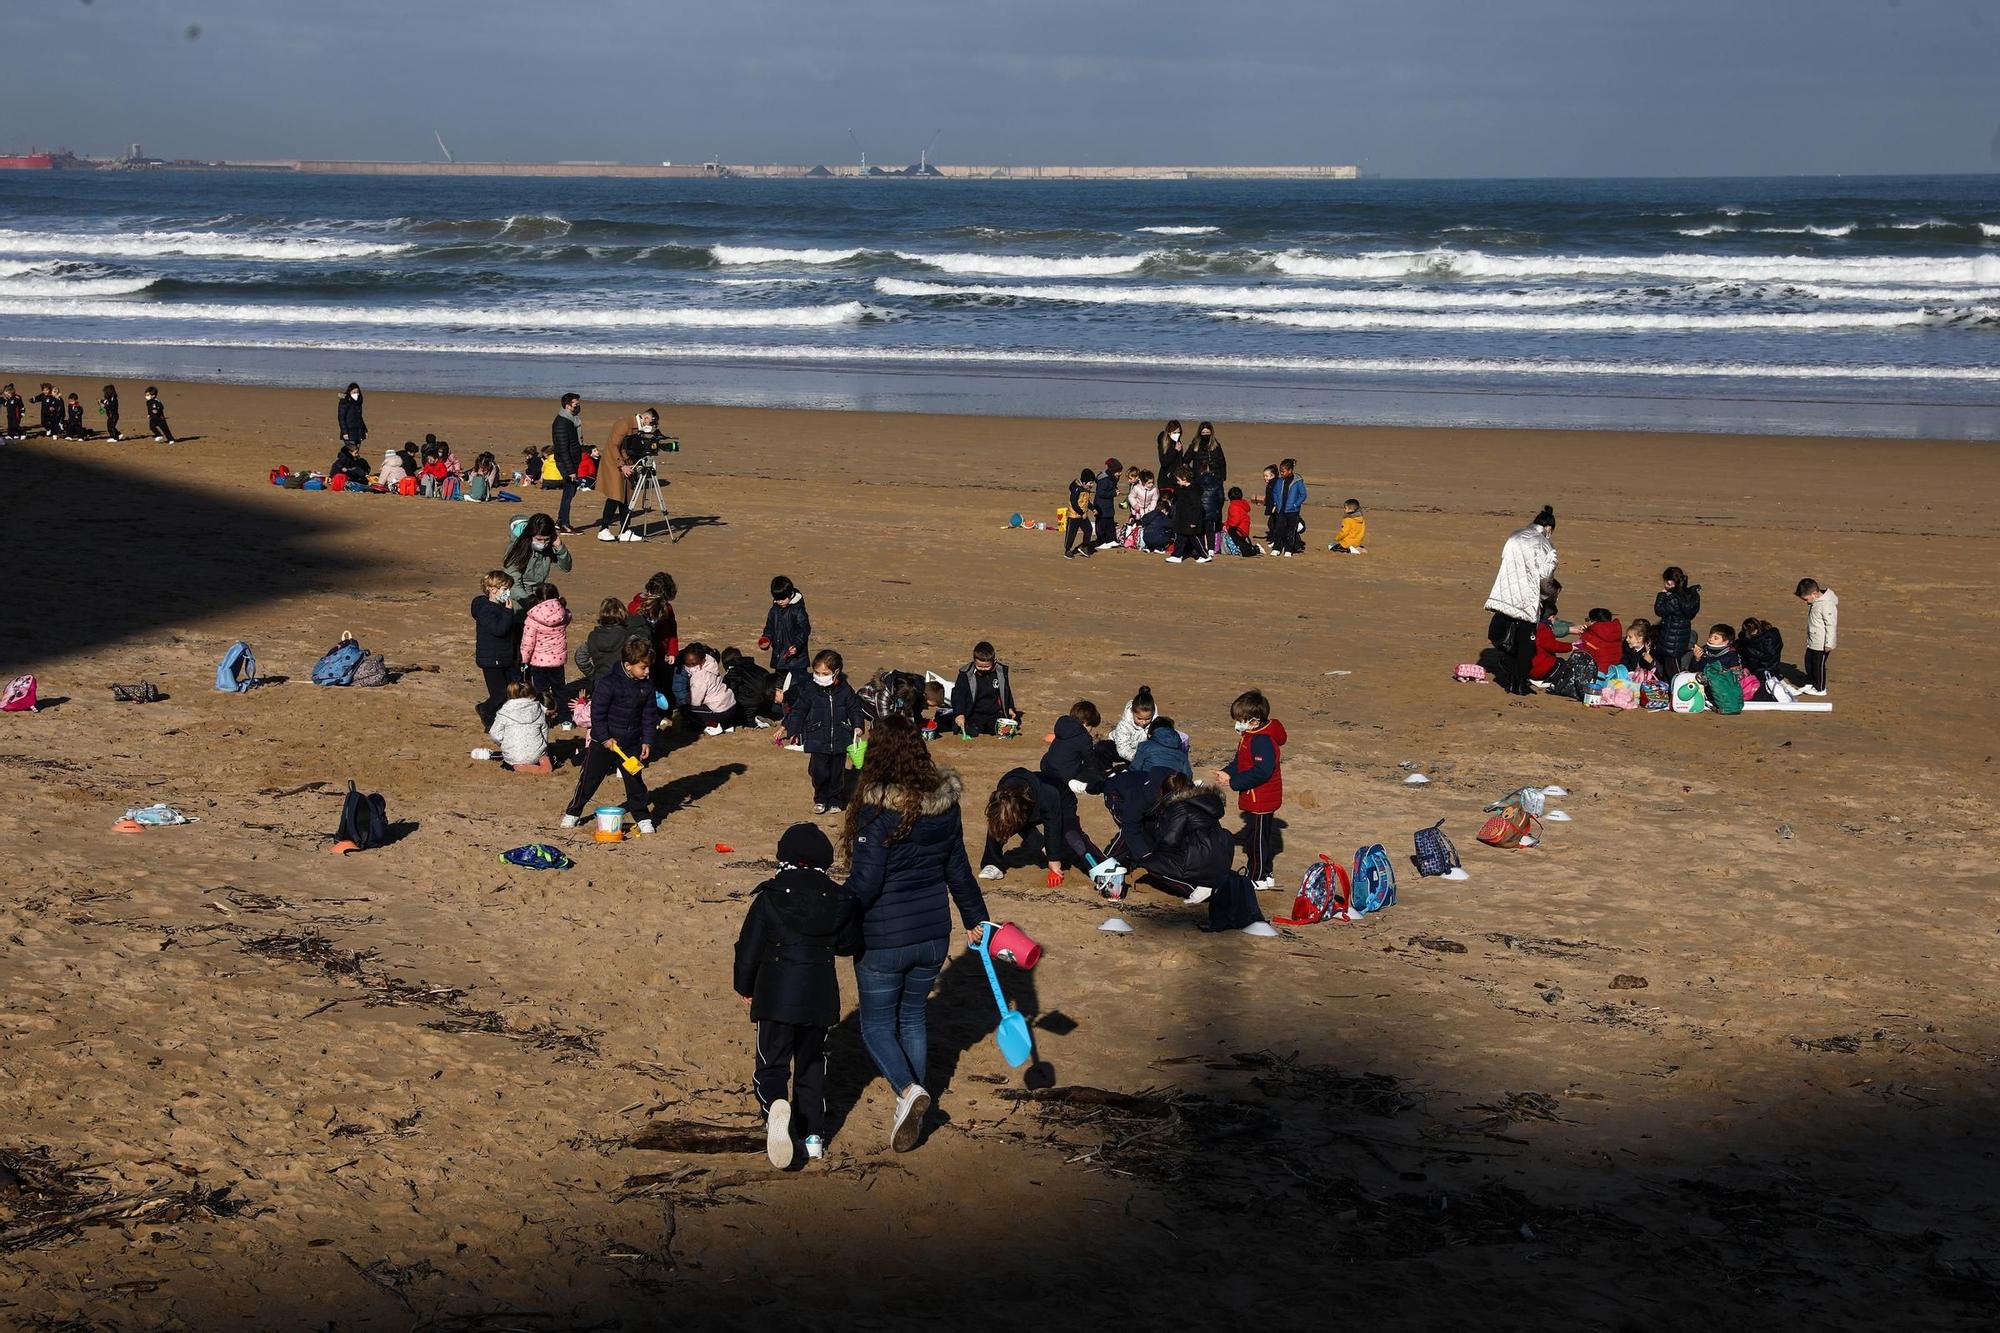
822 717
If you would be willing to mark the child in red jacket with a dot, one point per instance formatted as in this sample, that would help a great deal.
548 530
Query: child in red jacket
1254 777
1548 651
1604 639
1236 521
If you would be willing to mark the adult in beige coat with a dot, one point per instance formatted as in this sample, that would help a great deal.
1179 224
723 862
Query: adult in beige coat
631 439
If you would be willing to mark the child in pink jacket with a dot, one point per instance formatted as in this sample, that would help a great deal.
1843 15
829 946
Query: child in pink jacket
545 645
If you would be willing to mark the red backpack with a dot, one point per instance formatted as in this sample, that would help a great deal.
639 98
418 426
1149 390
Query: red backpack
19 696
1325 890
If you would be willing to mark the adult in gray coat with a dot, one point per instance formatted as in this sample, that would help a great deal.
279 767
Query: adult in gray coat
534 554
1527 569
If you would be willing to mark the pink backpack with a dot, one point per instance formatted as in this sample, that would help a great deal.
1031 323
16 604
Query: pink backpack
1469 672
20 696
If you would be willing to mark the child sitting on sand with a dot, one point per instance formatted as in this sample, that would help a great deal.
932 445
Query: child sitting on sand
1132 728
521 730
483 480
393 472
1353 530
799 921
1604 639
1719 649
622 712
823 719
712 703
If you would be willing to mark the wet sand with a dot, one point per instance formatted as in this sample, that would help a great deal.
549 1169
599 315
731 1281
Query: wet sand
1724 1044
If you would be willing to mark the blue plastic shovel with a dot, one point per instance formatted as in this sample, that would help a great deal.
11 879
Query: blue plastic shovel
1017 1044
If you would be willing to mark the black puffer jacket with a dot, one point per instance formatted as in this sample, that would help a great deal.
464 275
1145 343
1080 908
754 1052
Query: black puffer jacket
352 427
1072 757
822 718
907 888
798 922
1189 842
1763 651
1187 518
623 709
566 442
1674 613
496 633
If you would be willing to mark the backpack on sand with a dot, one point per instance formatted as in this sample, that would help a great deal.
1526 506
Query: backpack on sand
1374 882
1506 829
1725 691
364 820
1470 673
1688 695
373 671
1574 676
339 665
536 856
237 671
1323 892
1435 853
19 696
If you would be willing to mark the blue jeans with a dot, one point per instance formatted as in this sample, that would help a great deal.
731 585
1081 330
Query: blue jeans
895 987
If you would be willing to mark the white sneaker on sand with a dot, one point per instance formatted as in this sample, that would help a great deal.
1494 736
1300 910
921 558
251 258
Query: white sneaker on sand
1107 546
711 731
991 872
1200 895
606 535
1261 929
644 826
819 808
1203 559
911 1108
763 723
1264 885
630 536
482 754
815 1148
778 1134
1173 560
571 821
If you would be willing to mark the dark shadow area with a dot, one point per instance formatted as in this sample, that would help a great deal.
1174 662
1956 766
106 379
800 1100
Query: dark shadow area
690 788
175 554
680 525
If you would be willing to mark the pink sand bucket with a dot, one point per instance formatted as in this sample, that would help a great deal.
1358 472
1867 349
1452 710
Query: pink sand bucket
1010 944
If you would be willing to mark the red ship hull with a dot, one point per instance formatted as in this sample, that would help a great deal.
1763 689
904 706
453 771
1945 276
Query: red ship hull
28 162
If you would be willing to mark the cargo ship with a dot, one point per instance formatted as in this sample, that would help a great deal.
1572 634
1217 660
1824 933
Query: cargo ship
28 161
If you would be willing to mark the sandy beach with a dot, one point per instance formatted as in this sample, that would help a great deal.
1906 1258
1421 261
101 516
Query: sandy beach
1723 1046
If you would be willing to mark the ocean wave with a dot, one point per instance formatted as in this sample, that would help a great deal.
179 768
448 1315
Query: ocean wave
31 285
762 282
205 244
1989 229
764 254
1057 359
1033 266
1180 231
442 317
1713 229
1616 323
1844 229
1446 263
1206 296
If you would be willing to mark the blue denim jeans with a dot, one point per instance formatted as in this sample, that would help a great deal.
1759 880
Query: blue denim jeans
895 987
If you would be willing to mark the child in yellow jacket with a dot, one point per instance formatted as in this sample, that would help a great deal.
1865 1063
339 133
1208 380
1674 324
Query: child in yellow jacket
1353 530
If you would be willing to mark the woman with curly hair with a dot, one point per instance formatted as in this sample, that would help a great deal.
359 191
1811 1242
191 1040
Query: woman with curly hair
904 842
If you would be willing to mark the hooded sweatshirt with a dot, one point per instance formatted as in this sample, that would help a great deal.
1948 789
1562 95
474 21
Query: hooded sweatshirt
392 468
705 688
1823 623
1253 774
1163 749
1353 530
799 921
604 649
521 730
1072 756
545 634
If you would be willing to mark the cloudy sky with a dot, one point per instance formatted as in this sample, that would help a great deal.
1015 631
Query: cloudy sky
1405 87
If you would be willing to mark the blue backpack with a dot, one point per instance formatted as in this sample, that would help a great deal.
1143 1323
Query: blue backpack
1374 880
536 856
338 666
237 671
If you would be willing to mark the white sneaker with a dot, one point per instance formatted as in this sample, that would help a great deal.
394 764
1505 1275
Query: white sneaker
630 536
1203 559
819 808
644 826
778 1134
815 1148
763 724
911 1108
1200 895
1814 690
1107 546
711 731
482 754
606 535
1264 885
571 821
991 872
1173 560
1286 554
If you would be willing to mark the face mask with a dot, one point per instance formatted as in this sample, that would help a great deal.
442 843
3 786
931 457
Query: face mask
1244 726
1175 436
822 678
541 543
356 395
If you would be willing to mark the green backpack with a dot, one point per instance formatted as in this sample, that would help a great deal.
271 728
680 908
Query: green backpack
1725 692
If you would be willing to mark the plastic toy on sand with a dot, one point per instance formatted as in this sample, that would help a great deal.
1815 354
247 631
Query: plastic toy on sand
1017 1044
631 764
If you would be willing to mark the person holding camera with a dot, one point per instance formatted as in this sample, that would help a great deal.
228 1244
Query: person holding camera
628 452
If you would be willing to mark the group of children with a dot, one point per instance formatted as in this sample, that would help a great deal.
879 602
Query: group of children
1655 651
431 469
1187 511
62 416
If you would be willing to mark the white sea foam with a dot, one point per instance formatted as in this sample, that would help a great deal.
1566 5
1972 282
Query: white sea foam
1181 231
765 254
1845 229
1989 229
441 317
762 282
204 244
1032 266
1057 358
1446 262
1215 296
1713 229
32 285
1612 323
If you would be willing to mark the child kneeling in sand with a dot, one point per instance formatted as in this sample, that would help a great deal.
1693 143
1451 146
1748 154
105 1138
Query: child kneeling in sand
799 920
521 730
622 712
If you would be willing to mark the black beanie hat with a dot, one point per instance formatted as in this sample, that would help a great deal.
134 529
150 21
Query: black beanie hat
1546 519
807 846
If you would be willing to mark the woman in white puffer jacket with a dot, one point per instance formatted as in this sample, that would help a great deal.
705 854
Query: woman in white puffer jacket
1527 566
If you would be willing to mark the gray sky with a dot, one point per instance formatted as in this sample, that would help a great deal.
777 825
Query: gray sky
1405 87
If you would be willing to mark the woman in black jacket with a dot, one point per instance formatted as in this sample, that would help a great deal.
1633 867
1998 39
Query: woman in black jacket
904 840
1674 610
353 430
1762 648
1207 448
1188 521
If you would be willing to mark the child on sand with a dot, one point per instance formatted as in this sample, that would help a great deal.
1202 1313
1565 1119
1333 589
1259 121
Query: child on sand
1604 639
392 472
606 640
711 703
1822 628
1255 778
622 712
799 921
823 719
1024 801
50 403
1133 727
787 627
1353 530
1071 767
1719 649
10 398
156 417
982 698
1079 523
73 419
483 480
108 405
545 644
521 730
1674 608
1638 655
493 649
1236 525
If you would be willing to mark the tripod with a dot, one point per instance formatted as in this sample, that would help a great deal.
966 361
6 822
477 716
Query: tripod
647 490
